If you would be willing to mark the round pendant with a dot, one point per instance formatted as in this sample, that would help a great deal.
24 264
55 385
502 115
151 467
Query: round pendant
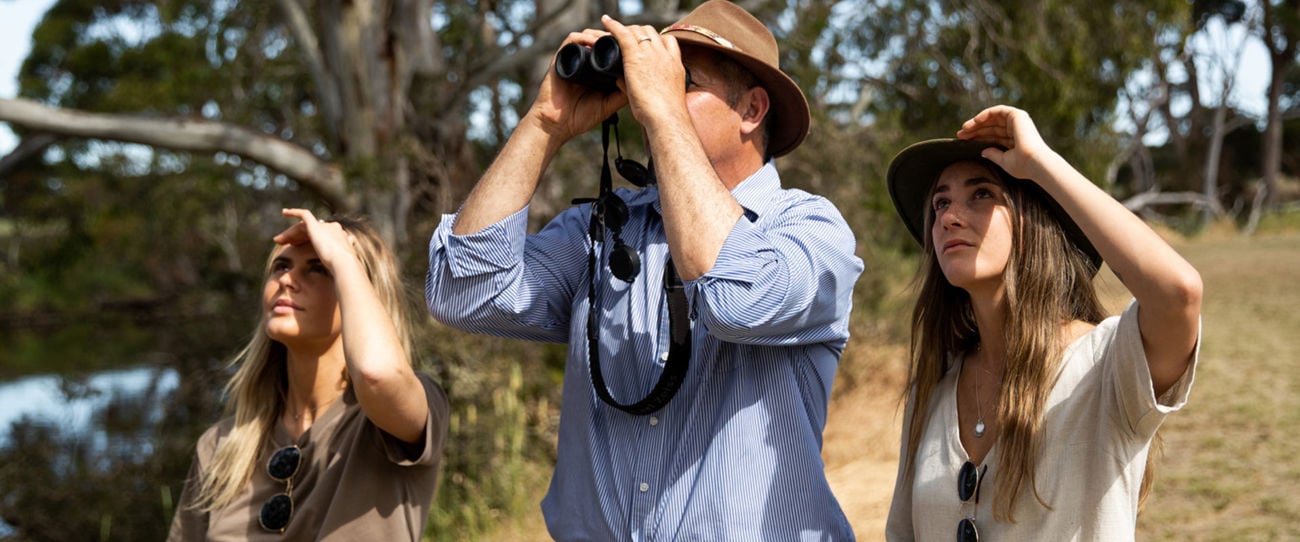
979 428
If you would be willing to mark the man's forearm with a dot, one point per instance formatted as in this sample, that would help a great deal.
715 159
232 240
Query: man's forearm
508 185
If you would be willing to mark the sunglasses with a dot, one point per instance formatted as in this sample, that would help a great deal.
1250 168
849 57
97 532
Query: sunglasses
969 479
282 467
610 212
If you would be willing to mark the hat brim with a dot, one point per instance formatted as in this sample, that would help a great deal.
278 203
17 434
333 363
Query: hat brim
914 171
788 113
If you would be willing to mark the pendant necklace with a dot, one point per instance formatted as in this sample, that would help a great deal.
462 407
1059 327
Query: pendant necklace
979 404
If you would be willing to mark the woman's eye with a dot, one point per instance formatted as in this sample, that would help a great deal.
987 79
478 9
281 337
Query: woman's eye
940 204
319 268
279 267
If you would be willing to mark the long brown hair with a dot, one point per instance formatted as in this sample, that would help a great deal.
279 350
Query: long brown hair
1048 283
257 390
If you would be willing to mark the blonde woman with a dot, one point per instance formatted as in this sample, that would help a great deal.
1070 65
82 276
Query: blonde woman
1031 414
332 435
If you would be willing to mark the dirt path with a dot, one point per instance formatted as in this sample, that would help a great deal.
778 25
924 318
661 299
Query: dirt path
862 434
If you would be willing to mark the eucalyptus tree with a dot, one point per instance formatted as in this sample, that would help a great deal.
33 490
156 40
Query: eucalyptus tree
1281 34
922 66
365 105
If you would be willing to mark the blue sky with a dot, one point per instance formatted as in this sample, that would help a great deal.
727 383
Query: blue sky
19 17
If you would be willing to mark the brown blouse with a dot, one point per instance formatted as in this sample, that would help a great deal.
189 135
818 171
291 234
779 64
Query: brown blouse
356 482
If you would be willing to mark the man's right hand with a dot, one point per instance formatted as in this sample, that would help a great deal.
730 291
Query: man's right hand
564 109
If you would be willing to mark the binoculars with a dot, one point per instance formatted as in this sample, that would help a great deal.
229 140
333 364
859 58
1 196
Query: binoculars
596 67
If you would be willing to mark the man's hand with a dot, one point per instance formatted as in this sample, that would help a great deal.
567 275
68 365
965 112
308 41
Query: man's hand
653 76
565 109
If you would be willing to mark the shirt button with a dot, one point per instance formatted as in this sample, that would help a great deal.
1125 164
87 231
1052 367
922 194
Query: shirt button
654 420
663 356
645 487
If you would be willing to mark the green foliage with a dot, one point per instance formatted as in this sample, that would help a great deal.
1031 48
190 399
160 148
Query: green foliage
940 63
503 428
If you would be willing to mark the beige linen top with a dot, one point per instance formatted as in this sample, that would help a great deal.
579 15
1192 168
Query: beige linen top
1098 425
356 482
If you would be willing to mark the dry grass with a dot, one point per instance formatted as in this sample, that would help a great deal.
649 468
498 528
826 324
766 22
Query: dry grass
1229 470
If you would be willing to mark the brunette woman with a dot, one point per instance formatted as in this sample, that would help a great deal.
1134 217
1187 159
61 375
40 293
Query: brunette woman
1031 414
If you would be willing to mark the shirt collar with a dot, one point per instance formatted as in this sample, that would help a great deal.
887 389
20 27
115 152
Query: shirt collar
755 193
759 191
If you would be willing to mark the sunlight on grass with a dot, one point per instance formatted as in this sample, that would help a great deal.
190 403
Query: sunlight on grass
1229 470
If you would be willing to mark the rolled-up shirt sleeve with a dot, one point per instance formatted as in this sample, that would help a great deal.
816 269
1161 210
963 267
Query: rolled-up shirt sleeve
1131 376
783 283
504 282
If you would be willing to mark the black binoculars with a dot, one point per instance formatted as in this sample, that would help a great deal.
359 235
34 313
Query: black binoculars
596 67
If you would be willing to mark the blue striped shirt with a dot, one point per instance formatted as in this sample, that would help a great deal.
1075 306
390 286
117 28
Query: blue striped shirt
736 455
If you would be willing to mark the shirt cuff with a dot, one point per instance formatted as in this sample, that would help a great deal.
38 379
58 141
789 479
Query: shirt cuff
1153 410
496 247
744 252
428 451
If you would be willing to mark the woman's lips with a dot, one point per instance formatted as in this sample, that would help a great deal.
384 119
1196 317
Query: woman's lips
284 306
956 244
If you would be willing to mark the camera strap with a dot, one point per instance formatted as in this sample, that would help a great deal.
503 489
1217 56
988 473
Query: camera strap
679 326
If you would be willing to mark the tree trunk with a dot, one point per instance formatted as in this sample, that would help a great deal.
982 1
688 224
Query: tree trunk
1210 186
1271 163
1280 33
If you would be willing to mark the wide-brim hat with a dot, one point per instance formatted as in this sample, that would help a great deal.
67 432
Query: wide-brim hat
913 172
730 30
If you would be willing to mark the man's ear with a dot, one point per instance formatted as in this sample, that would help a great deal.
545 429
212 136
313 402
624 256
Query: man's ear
754 107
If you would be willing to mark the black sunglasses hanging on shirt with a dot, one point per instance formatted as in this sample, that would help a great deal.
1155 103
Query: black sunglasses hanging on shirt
609 213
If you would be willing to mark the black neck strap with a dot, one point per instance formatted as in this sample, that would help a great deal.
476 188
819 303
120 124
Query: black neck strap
679 326
679 349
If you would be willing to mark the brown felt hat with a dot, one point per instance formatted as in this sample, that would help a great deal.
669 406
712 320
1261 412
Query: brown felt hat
730 30
913 172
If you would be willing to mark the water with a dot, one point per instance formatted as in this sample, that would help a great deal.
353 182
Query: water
46 400
43 398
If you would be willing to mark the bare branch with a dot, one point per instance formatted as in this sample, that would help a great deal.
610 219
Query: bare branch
28 147
186 134
1153 197
510 56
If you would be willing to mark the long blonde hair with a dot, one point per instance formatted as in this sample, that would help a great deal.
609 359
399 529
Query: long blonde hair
1048 283
257 391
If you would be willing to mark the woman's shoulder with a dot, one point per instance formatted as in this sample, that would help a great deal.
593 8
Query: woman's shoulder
217 432
207 444
1075 330
1080 331
1087 344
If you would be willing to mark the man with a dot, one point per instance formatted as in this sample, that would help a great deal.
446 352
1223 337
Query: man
767 273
